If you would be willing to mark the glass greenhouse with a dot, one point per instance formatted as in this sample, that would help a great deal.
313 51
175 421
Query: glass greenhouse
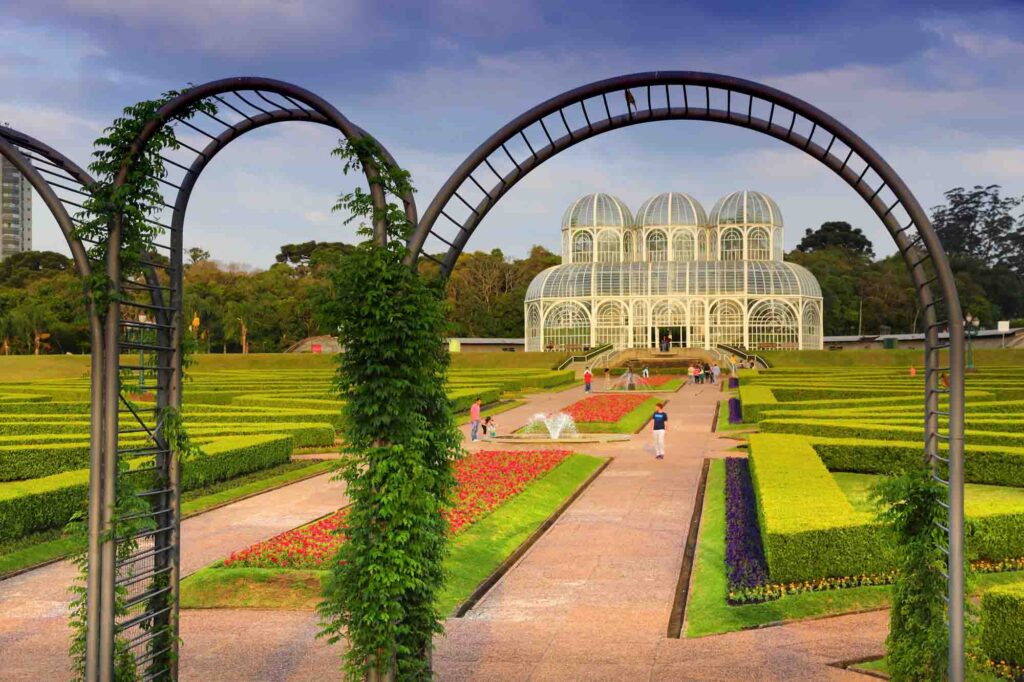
673 271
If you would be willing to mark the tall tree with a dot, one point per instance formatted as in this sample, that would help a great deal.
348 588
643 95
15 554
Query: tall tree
980 222
836 234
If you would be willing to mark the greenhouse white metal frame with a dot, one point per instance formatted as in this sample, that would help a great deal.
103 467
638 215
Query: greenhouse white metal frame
674 271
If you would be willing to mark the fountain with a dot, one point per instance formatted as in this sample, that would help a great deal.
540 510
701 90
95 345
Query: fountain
557 425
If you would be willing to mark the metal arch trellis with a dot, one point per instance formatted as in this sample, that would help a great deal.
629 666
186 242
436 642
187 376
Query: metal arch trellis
145 566
585 112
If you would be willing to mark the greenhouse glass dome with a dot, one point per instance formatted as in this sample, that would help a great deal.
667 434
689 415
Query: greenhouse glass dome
702 280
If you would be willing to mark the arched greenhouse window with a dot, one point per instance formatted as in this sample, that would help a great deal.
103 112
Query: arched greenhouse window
567 327
533 326
726 321
778 243
697 337
706 246
641 329
773 326
582 248
732 244
657 246
812 326
683 246
627 246
759 244
608 248
611 324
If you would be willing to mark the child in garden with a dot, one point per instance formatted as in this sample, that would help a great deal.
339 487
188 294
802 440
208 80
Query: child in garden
660 419
588 377
490 427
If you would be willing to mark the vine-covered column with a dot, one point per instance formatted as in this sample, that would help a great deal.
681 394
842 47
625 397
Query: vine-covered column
400 440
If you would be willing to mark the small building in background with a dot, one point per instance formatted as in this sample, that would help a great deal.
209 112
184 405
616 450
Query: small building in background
486 345
316 344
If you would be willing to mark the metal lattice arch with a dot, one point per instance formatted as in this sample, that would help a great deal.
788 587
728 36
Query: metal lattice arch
739 292
495 167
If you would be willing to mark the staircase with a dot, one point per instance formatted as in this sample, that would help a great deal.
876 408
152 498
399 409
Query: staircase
655 359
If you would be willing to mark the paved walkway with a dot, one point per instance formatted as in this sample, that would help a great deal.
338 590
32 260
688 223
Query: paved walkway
589 601
33 606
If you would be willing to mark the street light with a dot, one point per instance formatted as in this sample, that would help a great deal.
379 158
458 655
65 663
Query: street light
971 325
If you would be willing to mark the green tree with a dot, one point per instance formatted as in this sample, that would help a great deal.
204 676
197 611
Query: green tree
836 234
980 222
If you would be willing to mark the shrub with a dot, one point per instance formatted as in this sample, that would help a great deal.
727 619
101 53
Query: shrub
1002 623
51 501
753 399
808 527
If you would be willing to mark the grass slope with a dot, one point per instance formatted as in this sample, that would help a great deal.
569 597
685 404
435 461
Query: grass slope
475 554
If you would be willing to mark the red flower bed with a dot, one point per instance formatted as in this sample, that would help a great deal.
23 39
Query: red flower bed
485 480
605 408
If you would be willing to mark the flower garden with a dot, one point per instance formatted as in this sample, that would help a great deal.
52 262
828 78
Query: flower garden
501 498
248 422
613 413
791 531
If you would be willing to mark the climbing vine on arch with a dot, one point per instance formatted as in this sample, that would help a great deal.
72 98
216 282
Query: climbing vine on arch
135 201
400 439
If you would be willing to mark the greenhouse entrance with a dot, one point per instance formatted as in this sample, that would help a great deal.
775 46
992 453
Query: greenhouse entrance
676 334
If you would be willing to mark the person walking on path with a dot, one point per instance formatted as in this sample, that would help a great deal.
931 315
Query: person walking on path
645 372
588 377
607 379
715 371
474 420
698 374
660 424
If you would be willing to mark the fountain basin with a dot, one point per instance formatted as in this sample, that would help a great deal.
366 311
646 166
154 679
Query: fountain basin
529 438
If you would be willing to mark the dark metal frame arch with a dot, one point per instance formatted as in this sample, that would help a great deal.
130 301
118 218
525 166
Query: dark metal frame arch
150 572
585 112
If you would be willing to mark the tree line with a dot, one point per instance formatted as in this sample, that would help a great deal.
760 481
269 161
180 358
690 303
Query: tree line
234 308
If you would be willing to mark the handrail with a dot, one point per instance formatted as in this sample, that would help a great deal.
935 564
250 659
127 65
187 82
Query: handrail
587 356
735 350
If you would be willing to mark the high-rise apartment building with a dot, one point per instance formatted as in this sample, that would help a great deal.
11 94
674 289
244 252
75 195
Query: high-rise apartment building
15 211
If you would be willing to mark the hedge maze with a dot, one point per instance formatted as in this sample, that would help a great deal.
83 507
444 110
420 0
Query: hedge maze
244 421
825 435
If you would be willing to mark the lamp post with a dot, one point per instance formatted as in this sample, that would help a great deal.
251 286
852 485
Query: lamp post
971 325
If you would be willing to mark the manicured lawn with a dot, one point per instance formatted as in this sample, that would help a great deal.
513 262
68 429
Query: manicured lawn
630 423
54 544
707 611
475 554
977 498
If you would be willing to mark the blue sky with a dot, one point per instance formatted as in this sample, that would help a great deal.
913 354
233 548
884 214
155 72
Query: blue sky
937 88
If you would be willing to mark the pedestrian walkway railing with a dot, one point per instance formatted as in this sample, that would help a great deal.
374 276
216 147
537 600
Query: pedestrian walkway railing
586 357
745 355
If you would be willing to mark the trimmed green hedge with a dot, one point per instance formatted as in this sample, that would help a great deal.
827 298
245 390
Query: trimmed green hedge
50 502
853 429
754 399
810 530
462 399
1002 623
986 464
808 527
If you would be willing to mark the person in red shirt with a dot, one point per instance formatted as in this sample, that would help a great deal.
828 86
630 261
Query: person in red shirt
588 378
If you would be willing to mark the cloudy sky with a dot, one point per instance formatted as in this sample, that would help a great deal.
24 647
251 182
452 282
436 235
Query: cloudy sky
937 88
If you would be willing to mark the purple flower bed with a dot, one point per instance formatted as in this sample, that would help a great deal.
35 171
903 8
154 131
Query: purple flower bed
734 382
744 555
735 411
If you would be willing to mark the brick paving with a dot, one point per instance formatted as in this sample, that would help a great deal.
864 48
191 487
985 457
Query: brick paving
589 601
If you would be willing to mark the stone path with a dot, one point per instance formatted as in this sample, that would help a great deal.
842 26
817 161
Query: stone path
33 606
589 601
